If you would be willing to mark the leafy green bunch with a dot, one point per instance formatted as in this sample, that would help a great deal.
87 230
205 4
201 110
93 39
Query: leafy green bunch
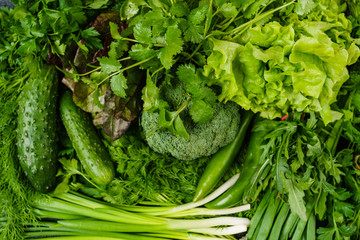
30 34
297 63
307 161
170 41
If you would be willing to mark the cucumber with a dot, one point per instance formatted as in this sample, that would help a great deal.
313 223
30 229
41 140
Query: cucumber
89 148
37 146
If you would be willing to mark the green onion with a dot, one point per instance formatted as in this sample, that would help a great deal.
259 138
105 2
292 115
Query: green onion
77 216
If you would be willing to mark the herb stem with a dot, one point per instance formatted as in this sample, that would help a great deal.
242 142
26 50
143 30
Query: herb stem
124 69
181 108
156 71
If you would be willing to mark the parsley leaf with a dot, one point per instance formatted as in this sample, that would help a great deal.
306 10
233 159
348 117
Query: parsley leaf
90 36
143 33
201 112
118 85
151 96
173 46
109 65
172 122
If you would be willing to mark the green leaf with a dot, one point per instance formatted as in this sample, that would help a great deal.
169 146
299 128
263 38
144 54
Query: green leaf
97 4
229 10
173 46
84 96
325 233
151 96
348 231
303 7
180 128
201 112
173 123
194 33
320 205
195 84
130 8
138 52
89 32
118 85
143 33
90 37
344 208
28 47
117 49
70 165
296 198
197 15
187 74
114 31
63 187
109 65
180 9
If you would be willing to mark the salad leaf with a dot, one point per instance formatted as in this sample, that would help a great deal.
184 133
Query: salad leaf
275 69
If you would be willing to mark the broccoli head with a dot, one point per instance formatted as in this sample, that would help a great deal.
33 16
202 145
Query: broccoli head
205 138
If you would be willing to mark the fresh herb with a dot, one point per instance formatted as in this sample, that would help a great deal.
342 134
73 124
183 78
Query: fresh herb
76 215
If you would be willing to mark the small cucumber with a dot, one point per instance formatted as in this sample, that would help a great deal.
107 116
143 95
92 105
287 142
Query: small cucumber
36 130
90 150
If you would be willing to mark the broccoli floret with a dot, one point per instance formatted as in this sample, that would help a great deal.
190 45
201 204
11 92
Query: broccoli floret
205 139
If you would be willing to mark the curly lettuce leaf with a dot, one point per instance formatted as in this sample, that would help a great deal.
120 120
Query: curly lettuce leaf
275 69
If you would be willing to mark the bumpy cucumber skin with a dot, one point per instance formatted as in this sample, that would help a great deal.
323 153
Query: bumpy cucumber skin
37 146
91 152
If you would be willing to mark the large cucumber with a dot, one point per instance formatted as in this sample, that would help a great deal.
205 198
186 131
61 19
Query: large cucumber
90 150
36 132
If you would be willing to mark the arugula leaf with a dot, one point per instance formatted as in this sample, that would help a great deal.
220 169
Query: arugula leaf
296 198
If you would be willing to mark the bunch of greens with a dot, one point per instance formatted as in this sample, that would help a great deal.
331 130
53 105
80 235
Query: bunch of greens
105 81
14 191
142 174
31 33
296 63
268 56
308 162
76 216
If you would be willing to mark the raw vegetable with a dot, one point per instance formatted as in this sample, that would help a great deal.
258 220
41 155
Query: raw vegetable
286 66
78 215
222 159
89 148
197 139
253 161
277 222
103 81
161 36
37 129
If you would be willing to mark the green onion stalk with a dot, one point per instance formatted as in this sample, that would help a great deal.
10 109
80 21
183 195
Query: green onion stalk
74 216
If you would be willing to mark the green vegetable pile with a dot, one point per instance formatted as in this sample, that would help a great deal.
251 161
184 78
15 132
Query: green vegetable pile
180 119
